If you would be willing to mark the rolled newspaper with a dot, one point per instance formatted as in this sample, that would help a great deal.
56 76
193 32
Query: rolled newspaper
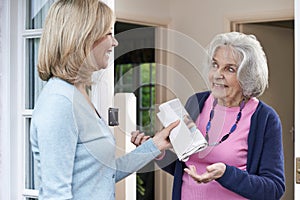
186 138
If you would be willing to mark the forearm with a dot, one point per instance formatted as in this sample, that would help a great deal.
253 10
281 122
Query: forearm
136 159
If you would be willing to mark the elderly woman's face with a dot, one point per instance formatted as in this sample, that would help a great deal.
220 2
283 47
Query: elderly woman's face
223 77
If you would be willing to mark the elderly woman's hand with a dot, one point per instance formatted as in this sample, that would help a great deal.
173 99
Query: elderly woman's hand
213 172
160 139
137 137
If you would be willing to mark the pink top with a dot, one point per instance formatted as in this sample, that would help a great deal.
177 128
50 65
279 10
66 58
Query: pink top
232 151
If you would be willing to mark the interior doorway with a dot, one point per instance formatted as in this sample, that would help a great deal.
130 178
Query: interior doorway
277 39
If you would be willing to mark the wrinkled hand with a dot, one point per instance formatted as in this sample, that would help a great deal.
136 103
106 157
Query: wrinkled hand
137 137
213 172
160 139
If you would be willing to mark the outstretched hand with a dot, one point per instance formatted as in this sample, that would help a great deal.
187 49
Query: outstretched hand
161 138
213 172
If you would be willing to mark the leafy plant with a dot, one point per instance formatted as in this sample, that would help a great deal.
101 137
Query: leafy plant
140 185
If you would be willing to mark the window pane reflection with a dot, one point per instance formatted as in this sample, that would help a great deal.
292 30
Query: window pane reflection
31 180
36 13
34 84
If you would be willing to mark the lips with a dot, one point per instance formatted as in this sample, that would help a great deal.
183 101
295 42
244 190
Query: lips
108 53
219 85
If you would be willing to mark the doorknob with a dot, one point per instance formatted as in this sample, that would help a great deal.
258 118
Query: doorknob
298 170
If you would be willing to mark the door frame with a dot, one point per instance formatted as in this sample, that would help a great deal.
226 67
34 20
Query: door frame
297 92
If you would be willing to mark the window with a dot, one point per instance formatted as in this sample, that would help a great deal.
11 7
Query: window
35 13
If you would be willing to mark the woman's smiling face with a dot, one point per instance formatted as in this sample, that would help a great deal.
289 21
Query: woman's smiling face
103 48
223 77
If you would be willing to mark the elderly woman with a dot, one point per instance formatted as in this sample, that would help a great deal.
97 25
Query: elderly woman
244 159
72 144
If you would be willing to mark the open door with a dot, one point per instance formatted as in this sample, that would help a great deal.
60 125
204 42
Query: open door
277 39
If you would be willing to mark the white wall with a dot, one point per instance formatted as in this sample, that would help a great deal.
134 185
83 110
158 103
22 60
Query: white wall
200 19
154 11
205 18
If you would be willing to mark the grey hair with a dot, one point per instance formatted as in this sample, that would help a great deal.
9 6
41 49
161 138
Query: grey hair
252 72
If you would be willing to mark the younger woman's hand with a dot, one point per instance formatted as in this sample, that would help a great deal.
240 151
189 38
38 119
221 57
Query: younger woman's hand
161 138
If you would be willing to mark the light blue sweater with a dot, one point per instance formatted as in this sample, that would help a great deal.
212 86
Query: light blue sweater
74 148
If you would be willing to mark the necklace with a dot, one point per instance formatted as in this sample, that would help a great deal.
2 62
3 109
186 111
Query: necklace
211 116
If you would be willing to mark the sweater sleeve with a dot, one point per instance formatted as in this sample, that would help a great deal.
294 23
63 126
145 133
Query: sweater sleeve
168 163
136 159
264 178
54 140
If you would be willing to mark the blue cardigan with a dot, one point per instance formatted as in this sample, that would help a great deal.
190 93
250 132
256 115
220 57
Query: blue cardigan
264 178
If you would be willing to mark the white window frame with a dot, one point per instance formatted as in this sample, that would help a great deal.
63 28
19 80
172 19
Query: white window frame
26 113
4 101
11 78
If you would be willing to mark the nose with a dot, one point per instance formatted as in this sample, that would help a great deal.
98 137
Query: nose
218 74
115 42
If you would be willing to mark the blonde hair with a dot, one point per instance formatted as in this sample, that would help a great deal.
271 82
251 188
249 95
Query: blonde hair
71 28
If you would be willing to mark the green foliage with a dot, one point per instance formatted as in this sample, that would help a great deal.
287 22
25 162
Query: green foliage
139 185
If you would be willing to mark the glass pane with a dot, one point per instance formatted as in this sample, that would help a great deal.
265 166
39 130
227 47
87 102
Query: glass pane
146 114
36 13
124 78
153 73
145 73
147 122
153 97
146 96
33 83
31 180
